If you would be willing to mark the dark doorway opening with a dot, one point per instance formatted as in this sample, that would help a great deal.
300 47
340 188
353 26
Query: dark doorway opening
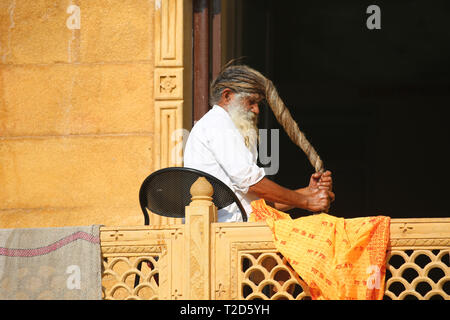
372 102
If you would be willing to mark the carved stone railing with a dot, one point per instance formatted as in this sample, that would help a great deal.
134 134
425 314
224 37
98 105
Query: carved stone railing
203 259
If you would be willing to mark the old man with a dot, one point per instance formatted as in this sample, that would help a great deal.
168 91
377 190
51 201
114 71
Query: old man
224 143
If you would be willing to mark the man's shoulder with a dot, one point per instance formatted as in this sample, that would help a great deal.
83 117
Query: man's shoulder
215 121
215 118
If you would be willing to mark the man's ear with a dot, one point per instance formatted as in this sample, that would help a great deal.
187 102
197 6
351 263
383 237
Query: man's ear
227 95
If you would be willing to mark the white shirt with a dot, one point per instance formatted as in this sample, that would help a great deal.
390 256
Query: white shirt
216 146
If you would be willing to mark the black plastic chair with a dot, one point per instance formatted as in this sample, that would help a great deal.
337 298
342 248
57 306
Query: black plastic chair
166 192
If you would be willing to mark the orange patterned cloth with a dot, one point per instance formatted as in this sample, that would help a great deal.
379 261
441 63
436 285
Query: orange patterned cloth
339 259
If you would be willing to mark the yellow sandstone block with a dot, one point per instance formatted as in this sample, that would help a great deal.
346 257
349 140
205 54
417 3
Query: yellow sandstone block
34 31
76 99
71 216
44 31
88 174
114 30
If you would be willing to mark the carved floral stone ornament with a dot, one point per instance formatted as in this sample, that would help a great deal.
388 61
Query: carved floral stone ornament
405 227
168 84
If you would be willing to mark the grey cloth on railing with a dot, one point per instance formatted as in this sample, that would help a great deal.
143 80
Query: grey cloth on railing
50 263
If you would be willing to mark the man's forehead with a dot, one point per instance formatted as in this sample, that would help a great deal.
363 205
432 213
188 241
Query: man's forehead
255 96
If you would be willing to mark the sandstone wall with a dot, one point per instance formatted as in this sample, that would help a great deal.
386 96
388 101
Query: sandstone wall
76 111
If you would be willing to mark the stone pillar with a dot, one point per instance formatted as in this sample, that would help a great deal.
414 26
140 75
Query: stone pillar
199 216
172 86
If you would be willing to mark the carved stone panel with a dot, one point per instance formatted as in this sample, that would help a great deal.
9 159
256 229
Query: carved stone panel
168 83
169 33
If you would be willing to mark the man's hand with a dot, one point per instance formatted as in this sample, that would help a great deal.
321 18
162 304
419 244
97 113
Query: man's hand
316 197
319 200
320 192
322 181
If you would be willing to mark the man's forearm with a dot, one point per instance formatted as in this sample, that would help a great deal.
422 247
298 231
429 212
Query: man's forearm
273 192
280 206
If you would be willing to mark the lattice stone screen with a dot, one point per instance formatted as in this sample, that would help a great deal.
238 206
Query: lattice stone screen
153 253
267 275
410 274
203 259
245 269
418 274
120 273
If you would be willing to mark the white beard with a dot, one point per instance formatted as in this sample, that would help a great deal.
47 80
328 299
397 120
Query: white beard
245 121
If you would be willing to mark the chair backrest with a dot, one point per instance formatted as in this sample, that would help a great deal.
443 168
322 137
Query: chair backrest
166 192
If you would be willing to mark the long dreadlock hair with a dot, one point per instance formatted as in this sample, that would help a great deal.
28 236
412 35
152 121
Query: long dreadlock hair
243 79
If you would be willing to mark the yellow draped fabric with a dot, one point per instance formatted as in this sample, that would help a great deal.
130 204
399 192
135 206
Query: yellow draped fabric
339 259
